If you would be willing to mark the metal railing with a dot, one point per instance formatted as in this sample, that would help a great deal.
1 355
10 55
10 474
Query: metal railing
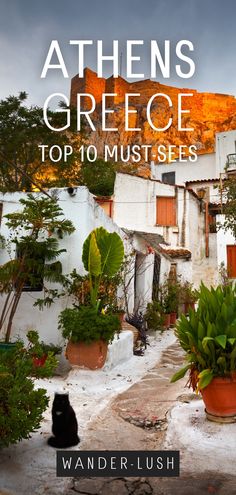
231 162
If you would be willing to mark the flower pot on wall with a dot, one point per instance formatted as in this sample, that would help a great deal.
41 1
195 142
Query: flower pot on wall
7 346
220 396
92 356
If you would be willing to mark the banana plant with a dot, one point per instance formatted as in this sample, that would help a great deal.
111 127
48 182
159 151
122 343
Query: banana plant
208 336
103 253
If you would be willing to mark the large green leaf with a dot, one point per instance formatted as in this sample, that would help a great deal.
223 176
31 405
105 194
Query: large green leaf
94 258
180 374
221 340
111 250
205 378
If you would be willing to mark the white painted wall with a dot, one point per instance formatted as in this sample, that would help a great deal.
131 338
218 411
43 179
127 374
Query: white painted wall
225 144
134 206
207 166
135 209
203 168
224 238
86 215
212 189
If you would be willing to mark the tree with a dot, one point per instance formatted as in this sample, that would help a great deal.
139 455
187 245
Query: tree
229 206
98 176
34 232
22 130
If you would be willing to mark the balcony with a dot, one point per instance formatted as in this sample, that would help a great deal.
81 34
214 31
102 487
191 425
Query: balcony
231 163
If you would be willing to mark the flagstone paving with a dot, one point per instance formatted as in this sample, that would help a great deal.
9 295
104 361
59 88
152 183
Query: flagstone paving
137 419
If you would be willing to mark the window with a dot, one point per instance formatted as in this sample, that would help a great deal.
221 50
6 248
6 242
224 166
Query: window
166 211
231 260
168 178
212 224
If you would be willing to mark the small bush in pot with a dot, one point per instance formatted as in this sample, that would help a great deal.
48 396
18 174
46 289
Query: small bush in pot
43 357
85 324
208 337
154 316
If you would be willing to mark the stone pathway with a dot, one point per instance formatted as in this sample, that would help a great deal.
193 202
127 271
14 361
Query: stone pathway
137 420
207 483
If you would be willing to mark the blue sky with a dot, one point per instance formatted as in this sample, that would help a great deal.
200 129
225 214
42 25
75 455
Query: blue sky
27 28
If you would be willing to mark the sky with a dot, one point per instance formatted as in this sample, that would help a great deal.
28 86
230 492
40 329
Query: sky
27 28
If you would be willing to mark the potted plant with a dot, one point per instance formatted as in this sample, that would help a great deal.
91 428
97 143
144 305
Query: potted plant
172 300
88 327
188 296
88 332
43 357
154 316
208 337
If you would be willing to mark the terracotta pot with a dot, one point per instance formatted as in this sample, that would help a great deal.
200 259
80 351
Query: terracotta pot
7 346
121 316
220 396
188 305
92 356
166 323
173 318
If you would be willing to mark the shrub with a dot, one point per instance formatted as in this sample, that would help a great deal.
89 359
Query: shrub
154 316
208 336
21 406
85 324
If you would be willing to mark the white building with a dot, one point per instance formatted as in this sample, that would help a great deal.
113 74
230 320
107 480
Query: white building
207 166
167 224
85 214
206 177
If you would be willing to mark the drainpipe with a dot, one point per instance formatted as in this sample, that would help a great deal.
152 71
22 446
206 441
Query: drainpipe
207 228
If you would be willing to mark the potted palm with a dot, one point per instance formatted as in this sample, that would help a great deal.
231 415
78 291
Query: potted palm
88 327
208 336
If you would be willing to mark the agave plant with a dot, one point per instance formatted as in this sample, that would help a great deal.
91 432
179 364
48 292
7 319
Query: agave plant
208 336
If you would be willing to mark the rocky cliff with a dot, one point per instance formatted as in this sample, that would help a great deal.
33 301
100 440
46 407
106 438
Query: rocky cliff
209 113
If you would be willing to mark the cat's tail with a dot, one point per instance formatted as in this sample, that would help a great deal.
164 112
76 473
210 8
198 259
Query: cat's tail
62 443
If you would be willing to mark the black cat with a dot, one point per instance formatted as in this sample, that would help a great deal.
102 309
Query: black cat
64 423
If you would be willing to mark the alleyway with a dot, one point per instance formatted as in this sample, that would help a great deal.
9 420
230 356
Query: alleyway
138 417
150 414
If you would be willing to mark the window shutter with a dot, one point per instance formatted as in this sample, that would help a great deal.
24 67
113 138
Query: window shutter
166 211
231 261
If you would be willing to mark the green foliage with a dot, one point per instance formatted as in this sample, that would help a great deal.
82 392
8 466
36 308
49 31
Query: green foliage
21 406
208 336
22 129
98 176
102 256
229 207
169 295
187 293
85 324
32 232
154 316
41 356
